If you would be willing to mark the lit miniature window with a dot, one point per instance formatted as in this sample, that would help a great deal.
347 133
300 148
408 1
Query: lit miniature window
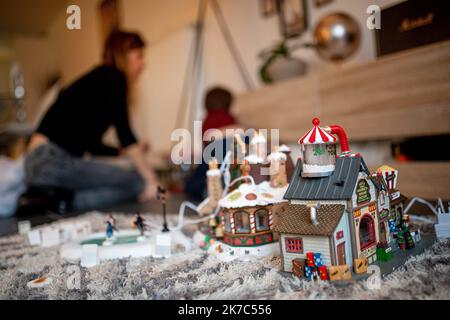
367 232
294 245
241 222
227 222
262 220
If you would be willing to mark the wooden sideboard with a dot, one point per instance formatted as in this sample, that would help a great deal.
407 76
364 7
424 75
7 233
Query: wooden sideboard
402 95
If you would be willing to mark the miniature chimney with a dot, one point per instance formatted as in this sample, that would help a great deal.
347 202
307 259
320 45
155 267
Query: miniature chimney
318 152
313 214
214 183
258 147
278 176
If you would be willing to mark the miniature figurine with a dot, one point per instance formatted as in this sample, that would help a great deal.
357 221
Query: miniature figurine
110 226
162 198
140 223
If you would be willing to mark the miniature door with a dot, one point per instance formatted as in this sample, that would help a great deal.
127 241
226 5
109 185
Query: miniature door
340 250
383 233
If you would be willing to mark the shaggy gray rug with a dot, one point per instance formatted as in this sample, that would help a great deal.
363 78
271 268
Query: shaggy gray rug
197 275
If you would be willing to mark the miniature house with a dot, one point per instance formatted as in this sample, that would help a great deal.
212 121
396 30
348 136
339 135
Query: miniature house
325 231
247 216
257 158
333 203
384 205
290 167
397 200
278 176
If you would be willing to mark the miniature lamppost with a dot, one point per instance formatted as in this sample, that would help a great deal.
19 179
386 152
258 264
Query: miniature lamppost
162 198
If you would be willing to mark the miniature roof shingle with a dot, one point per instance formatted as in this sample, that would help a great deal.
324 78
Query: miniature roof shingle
338 186
297 220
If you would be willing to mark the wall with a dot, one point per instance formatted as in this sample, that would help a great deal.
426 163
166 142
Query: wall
58 52
37 61
356 9
76 51
5 63
160 23
310 244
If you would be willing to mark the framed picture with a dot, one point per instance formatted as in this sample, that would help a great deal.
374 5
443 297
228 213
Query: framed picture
293 17
321 3
268 8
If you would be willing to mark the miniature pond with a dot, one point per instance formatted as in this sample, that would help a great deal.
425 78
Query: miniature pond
118 240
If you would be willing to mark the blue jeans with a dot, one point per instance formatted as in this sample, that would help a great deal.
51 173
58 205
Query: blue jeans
95 184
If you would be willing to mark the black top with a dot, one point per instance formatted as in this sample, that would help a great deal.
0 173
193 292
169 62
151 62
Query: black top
86 109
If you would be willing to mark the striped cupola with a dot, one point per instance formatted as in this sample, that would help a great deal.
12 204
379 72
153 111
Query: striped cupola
318 152
317 135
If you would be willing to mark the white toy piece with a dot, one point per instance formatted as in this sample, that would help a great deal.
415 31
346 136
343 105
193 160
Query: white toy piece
50 237
163 245
442 228
141 238
108 242
89 255
57 234
34 237
24 227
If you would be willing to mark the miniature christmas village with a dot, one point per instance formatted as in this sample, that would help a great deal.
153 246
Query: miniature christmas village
327 216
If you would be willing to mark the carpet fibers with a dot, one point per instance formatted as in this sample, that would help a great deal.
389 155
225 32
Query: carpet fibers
197 275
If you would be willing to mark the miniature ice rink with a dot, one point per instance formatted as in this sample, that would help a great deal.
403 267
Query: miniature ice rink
127 243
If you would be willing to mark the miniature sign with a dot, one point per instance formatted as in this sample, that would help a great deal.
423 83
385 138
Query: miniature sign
362 192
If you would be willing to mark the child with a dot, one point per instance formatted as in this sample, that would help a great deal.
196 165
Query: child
218 102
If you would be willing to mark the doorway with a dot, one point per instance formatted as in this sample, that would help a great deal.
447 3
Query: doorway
340 250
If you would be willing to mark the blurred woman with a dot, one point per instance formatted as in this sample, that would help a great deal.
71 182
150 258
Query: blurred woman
75 124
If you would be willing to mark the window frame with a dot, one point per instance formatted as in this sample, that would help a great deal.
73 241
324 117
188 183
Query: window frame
242 212
267 214
288 246
371 231
227 222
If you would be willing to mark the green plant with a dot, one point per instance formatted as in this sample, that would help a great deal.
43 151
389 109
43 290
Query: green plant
279 50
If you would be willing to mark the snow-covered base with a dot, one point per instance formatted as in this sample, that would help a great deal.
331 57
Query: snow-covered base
143 247
226 252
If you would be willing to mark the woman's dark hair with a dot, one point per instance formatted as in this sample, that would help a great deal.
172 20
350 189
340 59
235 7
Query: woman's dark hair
117 45
218 98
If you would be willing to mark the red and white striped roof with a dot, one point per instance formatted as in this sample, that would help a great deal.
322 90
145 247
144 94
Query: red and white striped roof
316 135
